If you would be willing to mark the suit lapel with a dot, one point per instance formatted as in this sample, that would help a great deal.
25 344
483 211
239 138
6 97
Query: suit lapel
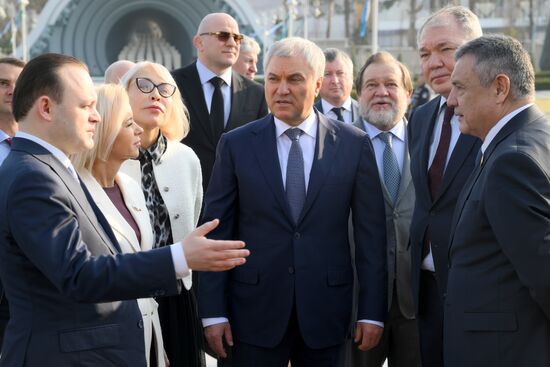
460 153
265 147
319 106
195 95
406 178
325 151
425 145
237 102
354 110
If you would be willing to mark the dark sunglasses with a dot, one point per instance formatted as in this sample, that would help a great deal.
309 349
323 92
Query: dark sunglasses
224 36
146 85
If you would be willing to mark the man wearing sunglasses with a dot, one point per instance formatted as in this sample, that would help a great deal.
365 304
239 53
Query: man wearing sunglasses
228 100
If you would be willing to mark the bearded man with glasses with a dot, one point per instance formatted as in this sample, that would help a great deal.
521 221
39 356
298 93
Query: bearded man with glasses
228 100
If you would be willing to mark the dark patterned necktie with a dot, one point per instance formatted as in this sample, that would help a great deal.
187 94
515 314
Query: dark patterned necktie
392 175
338 112
295 176
435 173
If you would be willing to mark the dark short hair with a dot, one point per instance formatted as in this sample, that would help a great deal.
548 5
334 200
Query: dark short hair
384 57
40 78
499 54
12 61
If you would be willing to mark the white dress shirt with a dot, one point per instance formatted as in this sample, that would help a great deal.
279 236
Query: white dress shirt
205 75
178 256
398 144
5 148
307 143
347 114
428 261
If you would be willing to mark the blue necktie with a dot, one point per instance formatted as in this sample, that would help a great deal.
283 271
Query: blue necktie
392 175
216 108
295 176
338 112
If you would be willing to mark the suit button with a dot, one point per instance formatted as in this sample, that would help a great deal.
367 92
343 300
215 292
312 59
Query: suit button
291 269
166 189
140 324
297 235
177 216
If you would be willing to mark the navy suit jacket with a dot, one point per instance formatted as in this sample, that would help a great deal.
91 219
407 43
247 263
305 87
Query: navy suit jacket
354 109
63 274
436 212
247 104
497 310
307 265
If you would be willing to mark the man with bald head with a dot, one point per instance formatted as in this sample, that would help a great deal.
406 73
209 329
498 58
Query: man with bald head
116 70
441 160
228 100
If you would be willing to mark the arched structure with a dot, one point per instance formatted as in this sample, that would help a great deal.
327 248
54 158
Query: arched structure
96 31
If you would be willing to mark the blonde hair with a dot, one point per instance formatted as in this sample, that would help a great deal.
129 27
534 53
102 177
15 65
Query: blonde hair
176 125
110 98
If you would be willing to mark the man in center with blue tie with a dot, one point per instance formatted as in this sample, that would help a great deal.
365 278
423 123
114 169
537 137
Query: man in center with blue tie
286 184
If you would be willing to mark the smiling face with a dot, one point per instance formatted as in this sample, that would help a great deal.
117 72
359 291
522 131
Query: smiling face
437 47
383 99
337 82
215 54
75 116
290 88
149 109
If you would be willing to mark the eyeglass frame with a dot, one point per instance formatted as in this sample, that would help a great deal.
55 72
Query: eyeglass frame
222 34
155 86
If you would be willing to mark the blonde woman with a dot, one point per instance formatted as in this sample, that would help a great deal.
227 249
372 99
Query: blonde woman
170 177
118 138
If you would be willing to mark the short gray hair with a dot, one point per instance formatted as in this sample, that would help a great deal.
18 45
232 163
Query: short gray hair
332 54
464 18
249 44
498 54
295 47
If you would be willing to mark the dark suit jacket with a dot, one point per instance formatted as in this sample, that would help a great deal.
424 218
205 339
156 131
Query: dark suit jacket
398 223
497 311
62 273
354 108
436 213
307 265
247 104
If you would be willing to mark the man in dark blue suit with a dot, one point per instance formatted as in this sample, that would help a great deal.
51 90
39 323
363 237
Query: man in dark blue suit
286 184
441 161
70 291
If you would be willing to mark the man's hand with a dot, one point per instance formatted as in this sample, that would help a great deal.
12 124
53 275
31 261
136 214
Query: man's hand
203 254
214 336
367 335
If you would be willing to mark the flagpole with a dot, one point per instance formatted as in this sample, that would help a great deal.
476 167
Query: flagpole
374 37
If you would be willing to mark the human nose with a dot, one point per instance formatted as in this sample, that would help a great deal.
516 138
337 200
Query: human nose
138 130
381 90
452 101
95 118
282 88
155 94
434 61
253 68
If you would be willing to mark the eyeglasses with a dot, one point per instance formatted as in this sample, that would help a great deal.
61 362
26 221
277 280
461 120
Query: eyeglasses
146 86
224 36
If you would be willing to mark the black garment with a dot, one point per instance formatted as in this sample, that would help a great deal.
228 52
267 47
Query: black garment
181 328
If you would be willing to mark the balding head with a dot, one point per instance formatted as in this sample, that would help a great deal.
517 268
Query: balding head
217 42
116 71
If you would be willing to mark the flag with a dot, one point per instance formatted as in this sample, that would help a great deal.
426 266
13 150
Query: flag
364 16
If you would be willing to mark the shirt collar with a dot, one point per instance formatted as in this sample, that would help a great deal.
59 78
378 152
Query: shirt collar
57 153
327 106
308 126
206 74
398 130
3 136
499 125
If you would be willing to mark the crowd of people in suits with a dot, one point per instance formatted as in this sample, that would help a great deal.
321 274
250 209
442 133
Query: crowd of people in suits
166 215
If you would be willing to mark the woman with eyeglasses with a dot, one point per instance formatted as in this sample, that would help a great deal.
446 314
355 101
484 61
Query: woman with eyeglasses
170 177
119 197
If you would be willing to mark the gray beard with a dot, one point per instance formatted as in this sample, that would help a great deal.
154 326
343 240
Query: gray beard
383 120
